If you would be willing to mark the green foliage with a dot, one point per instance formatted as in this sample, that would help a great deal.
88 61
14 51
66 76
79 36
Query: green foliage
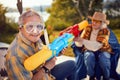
9 32
113 13
7 38
115 23
69 12
88 7
7 27
117 33
62 14
2 18
113 9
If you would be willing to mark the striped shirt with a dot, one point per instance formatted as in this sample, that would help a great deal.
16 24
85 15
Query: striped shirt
19 50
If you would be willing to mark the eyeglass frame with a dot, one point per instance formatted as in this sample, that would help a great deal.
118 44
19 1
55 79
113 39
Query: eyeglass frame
24 26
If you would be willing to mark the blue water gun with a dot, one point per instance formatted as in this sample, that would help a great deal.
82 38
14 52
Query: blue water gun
60 43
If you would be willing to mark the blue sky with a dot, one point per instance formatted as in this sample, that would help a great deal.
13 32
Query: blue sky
26 3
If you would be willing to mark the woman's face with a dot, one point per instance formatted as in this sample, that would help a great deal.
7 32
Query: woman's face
96 24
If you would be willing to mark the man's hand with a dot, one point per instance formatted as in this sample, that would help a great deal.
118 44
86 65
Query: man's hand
78 39
51 63
63 51
39 75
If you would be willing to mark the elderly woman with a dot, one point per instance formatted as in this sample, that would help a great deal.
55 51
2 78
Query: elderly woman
94 40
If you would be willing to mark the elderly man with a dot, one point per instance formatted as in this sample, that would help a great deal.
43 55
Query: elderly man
94 40
26 44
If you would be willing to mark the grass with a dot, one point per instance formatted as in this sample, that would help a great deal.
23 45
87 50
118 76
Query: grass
117 33
7 38
69 51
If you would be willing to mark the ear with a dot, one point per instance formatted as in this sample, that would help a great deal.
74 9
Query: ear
103 25
20 28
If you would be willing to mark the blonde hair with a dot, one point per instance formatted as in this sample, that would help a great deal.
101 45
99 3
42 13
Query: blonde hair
27 14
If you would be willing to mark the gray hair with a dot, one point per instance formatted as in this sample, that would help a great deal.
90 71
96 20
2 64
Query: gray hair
27 14
103 25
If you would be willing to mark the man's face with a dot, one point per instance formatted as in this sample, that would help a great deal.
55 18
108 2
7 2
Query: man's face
96 24
32 28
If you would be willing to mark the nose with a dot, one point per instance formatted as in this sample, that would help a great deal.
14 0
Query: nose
35 30
93 22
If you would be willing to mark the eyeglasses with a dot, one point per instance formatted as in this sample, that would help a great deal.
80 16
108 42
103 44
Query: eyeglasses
33 27
96 21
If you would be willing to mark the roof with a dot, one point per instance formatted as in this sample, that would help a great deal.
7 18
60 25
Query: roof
4 45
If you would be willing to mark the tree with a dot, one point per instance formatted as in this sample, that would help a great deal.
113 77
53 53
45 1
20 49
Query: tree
64 13
113 8
113 13
87 7
7 27
2 18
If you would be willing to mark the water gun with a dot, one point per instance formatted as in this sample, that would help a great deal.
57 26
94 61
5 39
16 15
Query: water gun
75 29
47 52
